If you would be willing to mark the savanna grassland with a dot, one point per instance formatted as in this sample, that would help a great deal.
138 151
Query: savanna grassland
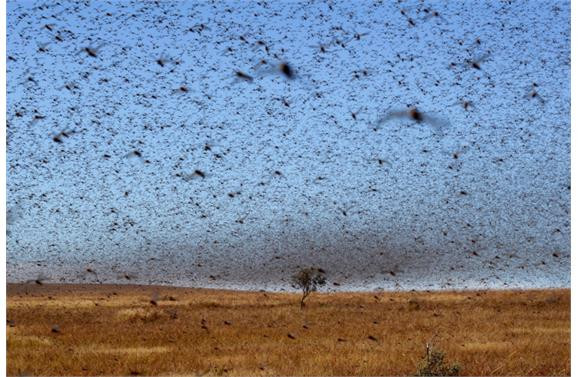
144 330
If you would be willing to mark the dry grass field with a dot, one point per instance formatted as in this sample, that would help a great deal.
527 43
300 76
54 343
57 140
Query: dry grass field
117 330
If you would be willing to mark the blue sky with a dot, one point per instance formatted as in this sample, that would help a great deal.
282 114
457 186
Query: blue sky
296 171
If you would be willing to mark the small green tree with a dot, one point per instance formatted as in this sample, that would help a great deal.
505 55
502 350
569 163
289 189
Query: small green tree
308 280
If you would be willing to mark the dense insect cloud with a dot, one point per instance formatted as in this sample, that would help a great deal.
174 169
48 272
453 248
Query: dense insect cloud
407 144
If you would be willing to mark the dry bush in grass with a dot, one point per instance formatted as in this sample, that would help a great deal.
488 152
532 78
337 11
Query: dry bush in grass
433 364
141 314
414 304
308 280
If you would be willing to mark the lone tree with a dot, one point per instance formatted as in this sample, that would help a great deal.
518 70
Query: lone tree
308 280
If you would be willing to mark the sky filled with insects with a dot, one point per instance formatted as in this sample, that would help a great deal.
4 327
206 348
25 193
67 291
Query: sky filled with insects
229 143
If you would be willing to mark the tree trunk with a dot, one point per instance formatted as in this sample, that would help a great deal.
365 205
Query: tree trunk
303 301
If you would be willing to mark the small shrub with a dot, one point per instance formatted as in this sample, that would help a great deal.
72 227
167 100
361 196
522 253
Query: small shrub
434 364
414 304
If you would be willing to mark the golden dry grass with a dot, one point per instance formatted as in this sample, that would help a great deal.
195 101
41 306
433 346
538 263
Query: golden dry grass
115 330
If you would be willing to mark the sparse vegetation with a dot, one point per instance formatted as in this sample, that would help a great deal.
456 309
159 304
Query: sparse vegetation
434 364
114 330
308 280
